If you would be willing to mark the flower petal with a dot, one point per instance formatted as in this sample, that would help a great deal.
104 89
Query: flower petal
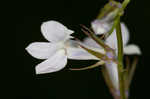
132 49
54 31
100 26
112 39
55 63
113 73
79 54
91 43
42 50
125 33
74 51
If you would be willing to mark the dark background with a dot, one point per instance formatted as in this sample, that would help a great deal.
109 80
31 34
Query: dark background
65 84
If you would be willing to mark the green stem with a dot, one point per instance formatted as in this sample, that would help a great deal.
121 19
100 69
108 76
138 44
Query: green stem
132 71
119 41
120 60
112 29
124 4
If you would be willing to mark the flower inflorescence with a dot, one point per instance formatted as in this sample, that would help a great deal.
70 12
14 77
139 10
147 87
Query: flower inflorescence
61 47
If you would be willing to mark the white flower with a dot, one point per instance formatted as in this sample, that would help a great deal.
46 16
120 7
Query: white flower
101 26
112 42
60 47
57 50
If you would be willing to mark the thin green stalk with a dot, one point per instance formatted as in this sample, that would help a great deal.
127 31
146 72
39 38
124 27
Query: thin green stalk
120 52
95 38
120 60
132 70
119 41
124 4
112 29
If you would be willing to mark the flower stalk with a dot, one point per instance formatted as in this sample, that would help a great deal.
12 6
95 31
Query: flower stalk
120 60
